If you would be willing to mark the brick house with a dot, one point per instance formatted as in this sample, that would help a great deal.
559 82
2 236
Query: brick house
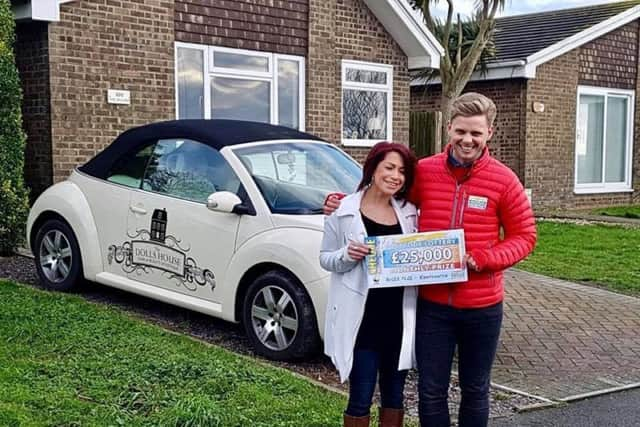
93 68
565 84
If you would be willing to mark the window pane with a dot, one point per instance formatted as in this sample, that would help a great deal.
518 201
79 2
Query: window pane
188 170
295 177
240 99
130 168
589 139
364 114
366 76
190 83
240 61
288 96
616 158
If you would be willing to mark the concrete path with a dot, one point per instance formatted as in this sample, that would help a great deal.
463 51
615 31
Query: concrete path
611 410
565 341
581 217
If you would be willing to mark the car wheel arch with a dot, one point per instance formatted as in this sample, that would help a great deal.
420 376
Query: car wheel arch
296 314
40 220
67 201
252 274
65 250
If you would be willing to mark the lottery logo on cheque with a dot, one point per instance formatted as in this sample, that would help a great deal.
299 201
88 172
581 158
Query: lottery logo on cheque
416 259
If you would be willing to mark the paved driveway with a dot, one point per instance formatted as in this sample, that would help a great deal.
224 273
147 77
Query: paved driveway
561 340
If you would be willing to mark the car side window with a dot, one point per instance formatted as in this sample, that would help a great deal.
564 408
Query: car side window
188 170
129 169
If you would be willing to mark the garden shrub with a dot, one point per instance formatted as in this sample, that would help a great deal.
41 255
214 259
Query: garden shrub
13 194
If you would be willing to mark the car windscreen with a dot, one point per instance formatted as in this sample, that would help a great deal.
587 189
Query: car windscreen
295 177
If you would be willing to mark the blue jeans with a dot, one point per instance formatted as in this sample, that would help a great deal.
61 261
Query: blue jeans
439 329
362 381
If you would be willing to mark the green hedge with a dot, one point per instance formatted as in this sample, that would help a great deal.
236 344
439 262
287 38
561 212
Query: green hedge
13 194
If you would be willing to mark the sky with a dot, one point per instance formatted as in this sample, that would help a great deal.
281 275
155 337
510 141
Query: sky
516 7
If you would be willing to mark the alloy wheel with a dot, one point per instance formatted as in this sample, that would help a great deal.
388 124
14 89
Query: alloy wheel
274 318
55 256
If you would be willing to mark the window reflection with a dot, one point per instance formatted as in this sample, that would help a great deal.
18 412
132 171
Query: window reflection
366 76
241 61
288 85
240 99
190 83
188 170
364 114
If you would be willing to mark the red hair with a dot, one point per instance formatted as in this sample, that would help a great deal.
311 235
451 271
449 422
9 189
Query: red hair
378 153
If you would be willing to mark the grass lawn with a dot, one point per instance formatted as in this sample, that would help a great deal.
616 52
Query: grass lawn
623 211
67 362
600 254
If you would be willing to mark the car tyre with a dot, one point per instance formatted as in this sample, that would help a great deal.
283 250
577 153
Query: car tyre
279 318
57 256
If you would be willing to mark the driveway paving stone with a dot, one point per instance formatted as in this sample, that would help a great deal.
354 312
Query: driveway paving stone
561 339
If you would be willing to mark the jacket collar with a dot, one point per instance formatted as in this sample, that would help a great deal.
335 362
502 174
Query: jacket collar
350 205
477 164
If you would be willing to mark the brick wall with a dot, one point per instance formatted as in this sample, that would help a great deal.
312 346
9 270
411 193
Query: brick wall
550 135
610 61
32 60
509 97
107 44
347 29
278 26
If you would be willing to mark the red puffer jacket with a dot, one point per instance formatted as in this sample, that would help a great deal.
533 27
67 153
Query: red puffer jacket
488 197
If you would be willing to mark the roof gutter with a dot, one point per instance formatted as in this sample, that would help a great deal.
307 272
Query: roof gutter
495 71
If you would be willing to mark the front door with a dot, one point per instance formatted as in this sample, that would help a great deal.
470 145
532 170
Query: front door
177 242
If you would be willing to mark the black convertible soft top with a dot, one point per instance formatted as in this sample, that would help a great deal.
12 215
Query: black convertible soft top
216 133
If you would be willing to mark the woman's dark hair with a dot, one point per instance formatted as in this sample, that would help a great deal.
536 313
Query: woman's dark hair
378 153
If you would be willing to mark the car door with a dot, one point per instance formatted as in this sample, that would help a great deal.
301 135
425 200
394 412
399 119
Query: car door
110 200
179 244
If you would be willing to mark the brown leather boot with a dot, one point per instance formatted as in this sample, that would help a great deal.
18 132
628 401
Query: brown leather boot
350 421
390 417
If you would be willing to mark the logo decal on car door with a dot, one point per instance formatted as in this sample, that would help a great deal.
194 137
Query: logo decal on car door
154 249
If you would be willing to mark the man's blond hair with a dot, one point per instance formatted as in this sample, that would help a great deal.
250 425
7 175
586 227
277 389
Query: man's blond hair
473 104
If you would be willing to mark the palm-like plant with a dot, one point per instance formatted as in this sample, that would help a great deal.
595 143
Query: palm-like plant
467 44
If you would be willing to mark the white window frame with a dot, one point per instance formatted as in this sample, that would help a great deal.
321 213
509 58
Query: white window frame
271 76
604 187
386 88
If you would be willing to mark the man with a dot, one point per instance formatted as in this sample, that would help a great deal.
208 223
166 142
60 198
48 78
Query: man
464 187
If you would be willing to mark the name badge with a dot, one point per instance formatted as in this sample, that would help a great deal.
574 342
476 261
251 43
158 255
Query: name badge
477 202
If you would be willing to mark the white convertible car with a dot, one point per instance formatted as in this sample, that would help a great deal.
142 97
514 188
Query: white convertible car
218 216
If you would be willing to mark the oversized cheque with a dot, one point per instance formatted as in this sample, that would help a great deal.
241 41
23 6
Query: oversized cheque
416 259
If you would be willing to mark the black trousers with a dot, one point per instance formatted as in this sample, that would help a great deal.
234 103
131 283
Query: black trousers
475 332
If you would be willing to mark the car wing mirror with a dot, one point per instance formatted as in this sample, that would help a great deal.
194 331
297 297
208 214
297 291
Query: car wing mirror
223 201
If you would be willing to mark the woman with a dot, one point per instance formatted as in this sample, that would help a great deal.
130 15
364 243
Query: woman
371 332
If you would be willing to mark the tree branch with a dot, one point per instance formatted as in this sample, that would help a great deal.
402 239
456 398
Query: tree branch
447 29
485 8
428 18
460 41
478 45
494 9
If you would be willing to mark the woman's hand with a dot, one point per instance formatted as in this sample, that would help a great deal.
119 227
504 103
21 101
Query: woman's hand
357 251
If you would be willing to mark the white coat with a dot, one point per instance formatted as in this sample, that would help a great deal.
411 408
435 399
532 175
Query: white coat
348 289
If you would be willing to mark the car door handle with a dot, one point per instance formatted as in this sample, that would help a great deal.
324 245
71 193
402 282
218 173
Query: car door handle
138 210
